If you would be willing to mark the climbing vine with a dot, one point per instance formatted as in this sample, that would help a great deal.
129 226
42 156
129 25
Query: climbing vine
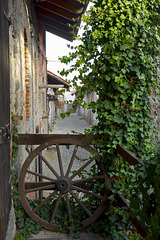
25 225
117 58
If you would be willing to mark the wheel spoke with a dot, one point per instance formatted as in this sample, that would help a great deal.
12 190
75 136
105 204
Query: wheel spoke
90 179
87 192
49 165
44 201
84 166
80 203
56 207
68 206
58 183
31 185
46 187
41 175
72 159
59 160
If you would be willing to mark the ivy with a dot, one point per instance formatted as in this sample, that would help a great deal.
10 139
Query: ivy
25 225
117 58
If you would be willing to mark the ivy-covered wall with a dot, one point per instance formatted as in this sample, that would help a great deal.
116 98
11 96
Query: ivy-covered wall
118 59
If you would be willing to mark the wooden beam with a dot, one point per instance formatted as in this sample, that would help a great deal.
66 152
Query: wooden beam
51 86
128 156
44 117
59 33
53 16
55 24
135 221
59 11
36 139
67 5
18 117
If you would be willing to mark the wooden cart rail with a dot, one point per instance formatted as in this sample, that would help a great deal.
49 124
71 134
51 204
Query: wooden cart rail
128 156
132 160
61 184
36 139
70 139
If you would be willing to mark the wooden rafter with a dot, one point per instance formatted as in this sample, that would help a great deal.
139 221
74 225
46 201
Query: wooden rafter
67 5
59 33
53 16
59 11
55 24
59 16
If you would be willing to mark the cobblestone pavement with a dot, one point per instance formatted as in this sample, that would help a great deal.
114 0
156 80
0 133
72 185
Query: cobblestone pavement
64 126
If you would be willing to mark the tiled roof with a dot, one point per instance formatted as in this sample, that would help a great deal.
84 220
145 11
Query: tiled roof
74 91
55 79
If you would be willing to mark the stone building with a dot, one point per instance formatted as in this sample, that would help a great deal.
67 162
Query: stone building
23 56
28 64
27 71
56 103
87 113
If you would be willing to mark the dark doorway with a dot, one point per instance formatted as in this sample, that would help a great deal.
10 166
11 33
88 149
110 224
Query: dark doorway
5 189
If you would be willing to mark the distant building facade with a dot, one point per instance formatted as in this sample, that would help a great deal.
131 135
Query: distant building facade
87 113
56 103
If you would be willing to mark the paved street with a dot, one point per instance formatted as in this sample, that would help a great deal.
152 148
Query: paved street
66 125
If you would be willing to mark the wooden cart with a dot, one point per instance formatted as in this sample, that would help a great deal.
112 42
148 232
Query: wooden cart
66 187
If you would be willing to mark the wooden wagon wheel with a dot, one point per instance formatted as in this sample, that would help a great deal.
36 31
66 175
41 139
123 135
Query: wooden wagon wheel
64 187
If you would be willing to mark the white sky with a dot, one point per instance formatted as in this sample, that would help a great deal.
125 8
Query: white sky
57 47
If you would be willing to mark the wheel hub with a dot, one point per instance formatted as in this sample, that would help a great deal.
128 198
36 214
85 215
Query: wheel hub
63 184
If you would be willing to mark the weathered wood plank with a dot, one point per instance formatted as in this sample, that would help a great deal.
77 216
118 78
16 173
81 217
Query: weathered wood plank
36 139
18 117
32 185
128 156
74 7
5 187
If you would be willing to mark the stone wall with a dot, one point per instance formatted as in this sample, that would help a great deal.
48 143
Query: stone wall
87 114
51 108
27 71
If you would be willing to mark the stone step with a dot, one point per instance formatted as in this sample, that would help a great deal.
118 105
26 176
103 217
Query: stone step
47 235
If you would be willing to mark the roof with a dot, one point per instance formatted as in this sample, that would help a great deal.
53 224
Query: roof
74 91
56 80
58 16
